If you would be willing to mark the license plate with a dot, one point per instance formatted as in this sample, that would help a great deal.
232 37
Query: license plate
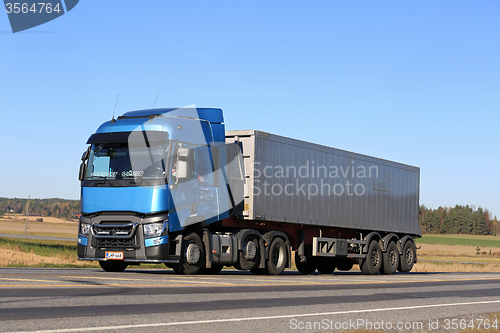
114 255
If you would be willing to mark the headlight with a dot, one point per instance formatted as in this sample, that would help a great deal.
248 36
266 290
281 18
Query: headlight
153 230
84 229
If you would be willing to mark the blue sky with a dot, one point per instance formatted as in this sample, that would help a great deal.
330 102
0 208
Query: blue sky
417 82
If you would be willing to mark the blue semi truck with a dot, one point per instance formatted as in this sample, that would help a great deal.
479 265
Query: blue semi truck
172 186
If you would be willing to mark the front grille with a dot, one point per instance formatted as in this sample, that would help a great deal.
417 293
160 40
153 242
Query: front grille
114 235
113 230
113 242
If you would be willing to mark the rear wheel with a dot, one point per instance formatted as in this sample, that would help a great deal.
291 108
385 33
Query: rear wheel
305 267
390 259
373 261
113 266
277 257
407 258
249 257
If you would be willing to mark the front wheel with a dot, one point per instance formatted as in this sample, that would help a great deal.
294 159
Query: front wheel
277 257
113 266
192 255
175 267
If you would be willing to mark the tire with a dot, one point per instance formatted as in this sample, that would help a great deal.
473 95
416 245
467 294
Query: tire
215 269
344 264
390 260
277 260
408 256
249 257
113 265
326 266
306 267
373 261
192 255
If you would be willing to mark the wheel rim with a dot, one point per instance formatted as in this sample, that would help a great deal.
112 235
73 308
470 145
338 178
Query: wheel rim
250 250
193 254
277 256
392 258
409 256
375 258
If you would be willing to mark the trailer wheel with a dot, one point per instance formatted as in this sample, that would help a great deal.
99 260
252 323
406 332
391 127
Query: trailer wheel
192 254
249 257
407 259
113 266
371 264
326 266
344 264
306 267
276 262
390 260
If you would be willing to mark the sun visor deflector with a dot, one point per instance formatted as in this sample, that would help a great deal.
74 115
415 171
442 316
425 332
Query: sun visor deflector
123 137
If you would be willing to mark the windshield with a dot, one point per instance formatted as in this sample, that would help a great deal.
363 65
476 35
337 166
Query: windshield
115 161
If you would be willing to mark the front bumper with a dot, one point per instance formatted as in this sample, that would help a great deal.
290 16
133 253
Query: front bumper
137 261
135 247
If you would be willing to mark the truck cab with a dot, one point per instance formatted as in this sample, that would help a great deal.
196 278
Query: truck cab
146 177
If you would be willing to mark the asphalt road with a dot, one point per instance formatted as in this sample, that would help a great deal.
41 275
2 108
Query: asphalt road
80 300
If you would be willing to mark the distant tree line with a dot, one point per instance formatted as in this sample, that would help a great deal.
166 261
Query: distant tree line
444 220
55 207
458 220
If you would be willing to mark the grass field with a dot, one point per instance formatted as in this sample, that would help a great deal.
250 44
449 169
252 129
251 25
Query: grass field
467 240
33 218
458 253
53 229
39 253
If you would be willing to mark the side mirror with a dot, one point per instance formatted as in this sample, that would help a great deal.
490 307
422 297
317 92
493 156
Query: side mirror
182 170
85 155
83 169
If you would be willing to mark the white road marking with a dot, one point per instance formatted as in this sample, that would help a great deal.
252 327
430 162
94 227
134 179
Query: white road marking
228 320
